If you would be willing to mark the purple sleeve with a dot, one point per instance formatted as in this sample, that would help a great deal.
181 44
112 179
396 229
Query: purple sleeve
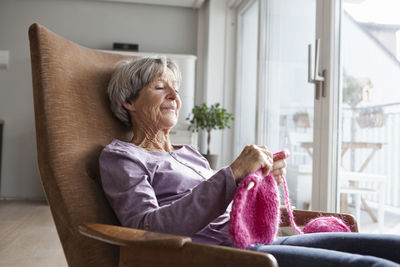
126 184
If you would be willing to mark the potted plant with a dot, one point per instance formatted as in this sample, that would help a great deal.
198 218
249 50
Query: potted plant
302 119
209 118
371 117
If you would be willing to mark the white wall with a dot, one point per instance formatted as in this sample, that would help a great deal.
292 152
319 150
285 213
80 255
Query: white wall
89 23
215 82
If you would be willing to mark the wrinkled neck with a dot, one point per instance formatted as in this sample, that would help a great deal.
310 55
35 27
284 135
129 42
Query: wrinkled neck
152 139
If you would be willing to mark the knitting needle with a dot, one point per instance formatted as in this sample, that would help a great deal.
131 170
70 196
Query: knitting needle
250 185
280 155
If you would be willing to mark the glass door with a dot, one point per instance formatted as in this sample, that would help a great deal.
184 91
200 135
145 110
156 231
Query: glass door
246 80
369 173
285 93
286 98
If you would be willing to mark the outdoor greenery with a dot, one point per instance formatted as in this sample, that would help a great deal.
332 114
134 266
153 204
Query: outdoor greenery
353 89
209 118
354 93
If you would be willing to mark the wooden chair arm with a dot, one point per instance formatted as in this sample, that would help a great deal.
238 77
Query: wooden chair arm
124 236
302 217
194 255
143 248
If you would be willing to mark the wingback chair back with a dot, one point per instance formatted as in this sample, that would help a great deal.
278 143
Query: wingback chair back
73 124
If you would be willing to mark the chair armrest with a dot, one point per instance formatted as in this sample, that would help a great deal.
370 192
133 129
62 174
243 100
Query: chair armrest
124 236
143 248
302 217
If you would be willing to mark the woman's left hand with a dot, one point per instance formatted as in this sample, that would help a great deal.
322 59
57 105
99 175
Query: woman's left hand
279 166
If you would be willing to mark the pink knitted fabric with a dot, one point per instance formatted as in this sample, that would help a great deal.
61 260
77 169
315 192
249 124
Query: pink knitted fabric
255 213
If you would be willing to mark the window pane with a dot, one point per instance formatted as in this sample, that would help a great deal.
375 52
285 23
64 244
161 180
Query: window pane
289 98
247 77
369 176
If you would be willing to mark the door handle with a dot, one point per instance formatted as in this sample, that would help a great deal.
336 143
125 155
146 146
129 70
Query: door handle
319 77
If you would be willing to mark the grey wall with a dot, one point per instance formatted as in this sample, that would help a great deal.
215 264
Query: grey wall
89 23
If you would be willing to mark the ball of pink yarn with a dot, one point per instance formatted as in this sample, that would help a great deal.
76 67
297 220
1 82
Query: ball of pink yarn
325 224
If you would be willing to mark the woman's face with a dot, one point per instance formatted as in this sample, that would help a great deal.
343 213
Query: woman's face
158 103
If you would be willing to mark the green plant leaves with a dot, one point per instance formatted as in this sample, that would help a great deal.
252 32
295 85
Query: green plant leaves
208 118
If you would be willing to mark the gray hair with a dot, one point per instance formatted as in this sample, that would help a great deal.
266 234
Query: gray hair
131 76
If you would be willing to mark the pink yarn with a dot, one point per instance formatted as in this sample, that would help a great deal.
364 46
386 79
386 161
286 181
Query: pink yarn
255 214
325 224
288 206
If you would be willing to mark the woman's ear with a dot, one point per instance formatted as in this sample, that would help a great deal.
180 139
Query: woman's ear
129 106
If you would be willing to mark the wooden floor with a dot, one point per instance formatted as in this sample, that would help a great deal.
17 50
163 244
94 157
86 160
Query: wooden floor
28 236
391 224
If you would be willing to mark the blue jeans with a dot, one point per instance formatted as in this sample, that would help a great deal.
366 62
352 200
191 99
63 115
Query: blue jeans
335 249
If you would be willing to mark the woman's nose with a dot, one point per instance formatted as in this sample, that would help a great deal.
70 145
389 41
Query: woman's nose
172 93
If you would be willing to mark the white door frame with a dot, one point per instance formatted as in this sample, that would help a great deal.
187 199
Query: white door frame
326 115
325 155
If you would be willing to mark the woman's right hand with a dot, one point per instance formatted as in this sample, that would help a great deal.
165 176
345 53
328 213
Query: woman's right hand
251 159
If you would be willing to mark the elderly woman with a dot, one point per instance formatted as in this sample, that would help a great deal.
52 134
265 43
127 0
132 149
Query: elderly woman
155 185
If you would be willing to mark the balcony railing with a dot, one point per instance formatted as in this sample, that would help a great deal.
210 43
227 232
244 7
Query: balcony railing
384 162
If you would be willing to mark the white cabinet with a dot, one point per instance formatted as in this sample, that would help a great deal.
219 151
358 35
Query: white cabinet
180 135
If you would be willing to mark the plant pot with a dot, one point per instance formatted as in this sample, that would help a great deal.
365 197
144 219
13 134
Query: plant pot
212 159
301 120
371 120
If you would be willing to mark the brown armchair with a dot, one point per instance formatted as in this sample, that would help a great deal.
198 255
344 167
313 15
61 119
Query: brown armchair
73 124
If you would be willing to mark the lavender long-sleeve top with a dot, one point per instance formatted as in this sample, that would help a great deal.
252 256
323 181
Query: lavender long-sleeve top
171 192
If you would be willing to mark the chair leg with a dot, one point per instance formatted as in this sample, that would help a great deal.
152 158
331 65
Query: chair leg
368 209
381 211
344 205
358 207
